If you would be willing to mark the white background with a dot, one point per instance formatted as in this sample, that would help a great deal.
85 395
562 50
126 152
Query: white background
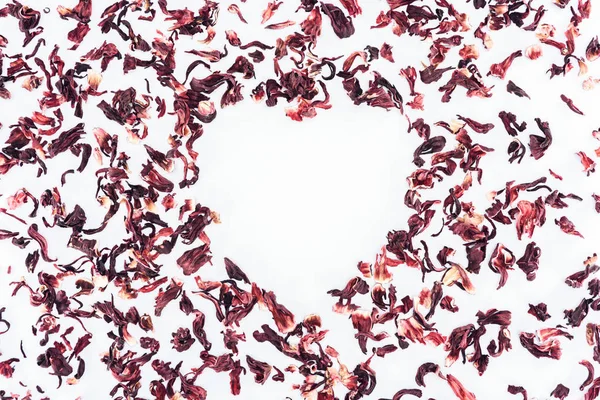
302 203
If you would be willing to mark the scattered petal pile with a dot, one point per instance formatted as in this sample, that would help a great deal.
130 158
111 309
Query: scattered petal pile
115 243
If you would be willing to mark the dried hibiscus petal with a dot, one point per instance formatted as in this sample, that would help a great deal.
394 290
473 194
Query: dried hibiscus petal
182 339
35 235
511 87
597 201
261 370
539 311
477 126
341 24
501 262
459 390
283 317
529 215
517 390
590 370
192 260
549 348
533 52
592 52
457 275
570 104
560 392
538 144
576 316
500 69
403 392
589 166
529 263
567 226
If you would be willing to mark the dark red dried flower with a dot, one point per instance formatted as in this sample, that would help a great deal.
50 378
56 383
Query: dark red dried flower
539 311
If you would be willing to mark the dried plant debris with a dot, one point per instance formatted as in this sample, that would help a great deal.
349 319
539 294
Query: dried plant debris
86 281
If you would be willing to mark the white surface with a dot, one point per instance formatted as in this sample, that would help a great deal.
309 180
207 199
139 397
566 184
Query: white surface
303 203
